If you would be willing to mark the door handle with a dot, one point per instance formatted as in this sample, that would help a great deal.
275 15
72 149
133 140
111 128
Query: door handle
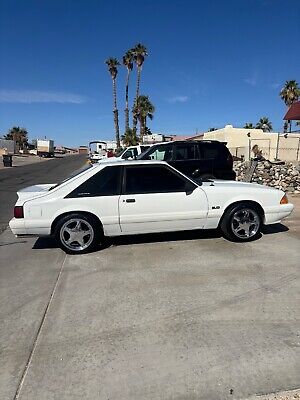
130 200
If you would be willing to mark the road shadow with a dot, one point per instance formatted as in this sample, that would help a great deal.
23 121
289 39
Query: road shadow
274 228
165 237
50 242
11 243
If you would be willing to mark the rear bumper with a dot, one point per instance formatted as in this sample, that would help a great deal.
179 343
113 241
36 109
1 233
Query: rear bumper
22 227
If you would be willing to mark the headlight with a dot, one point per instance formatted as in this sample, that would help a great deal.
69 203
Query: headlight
284 200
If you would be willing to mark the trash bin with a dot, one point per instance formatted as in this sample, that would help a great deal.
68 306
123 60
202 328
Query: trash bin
7 160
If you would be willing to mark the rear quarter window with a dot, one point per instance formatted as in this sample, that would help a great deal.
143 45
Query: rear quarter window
106 182
212 151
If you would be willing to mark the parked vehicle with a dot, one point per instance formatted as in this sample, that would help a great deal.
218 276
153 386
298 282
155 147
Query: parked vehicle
136 197
205 159
99 153
45 148
130 153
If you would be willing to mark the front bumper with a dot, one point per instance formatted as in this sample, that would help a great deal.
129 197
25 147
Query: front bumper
274 215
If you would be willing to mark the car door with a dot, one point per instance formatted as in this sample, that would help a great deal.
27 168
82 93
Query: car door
155 198
185 158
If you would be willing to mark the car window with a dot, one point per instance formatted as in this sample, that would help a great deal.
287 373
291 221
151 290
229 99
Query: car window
144 148
73 174
211 151
153 179
106 182
130 153
186 152
161 153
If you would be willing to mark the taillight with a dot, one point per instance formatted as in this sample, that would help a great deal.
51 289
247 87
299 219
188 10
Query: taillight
18 212
284 200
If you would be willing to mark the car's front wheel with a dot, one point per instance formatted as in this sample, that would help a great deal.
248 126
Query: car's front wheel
77 233
242 223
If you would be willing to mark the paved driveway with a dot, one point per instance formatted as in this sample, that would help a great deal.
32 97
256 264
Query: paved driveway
179 316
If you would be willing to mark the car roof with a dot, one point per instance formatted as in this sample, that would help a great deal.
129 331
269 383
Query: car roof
127 162
188 141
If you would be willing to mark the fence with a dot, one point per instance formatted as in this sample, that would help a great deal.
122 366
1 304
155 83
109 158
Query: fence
286 149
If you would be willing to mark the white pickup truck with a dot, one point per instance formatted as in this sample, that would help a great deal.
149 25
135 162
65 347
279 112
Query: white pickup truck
130 153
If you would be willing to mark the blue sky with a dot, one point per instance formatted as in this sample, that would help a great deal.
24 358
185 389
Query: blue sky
210 63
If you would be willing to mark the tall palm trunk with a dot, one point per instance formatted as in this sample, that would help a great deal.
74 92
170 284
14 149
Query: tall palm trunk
116 114
126 101
143 126
139 70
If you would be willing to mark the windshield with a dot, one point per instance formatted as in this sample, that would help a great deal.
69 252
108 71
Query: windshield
160 152
73 174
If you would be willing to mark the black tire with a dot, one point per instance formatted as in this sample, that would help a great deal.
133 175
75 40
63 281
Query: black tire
84 232
249 226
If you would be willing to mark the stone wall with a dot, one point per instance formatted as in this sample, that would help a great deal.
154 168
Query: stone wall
285 177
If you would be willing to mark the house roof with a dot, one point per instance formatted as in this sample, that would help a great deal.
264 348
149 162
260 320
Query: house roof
293 112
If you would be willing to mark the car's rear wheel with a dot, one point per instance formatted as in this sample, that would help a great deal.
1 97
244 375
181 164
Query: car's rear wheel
77 233
242 223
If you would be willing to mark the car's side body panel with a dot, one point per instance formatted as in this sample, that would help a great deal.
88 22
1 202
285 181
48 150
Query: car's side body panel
161 212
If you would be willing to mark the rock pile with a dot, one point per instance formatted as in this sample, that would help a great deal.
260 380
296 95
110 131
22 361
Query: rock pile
285 177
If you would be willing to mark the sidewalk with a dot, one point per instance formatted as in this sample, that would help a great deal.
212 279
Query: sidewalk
20 160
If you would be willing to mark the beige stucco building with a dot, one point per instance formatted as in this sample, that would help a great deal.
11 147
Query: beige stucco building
240 142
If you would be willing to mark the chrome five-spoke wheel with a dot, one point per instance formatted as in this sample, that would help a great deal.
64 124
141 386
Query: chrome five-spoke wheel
245 223
76 234
242 222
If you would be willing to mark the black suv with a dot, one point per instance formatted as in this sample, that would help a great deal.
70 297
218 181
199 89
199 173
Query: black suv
203 159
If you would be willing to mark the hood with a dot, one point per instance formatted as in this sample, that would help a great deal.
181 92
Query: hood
110 159
237 185
33 191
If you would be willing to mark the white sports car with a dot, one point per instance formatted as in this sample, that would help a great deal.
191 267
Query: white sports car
124 198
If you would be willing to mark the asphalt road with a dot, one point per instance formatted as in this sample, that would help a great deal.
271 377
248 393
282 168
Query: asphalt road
12 179
181 316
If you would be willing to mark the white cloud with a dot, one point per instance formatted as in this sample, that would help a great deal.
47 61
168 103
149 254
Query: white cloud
253 79
178 99
37 96
275 85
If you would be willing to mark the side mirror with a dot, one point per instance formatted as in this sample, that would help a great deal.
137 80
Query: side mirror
189 188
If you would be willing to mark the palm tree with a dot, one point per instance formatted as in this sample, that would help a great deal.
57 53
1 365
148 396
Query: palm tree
144 109
139 54
113 64
128 63
264 124
249 125
19 135
129 138
289 94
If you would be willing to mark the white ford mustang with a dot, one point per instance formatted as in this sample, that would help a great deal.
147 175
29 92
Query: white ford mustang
124 198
